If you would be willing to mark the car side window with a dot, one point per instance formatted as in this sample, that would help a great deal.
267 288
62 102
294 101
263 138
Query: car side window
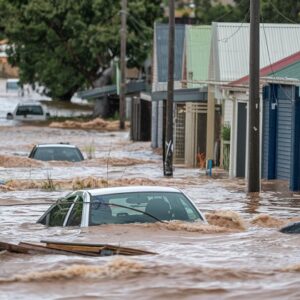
190 211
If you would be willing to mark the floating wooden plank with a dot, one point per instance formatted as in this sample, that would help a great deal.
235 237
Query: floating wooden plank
100 249
12 248
44 249
28 249
52 247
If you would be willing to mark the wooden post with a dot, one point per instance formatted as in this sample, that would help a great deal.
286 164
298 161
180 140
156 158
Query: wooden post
210 130
123 64
168 160
254 100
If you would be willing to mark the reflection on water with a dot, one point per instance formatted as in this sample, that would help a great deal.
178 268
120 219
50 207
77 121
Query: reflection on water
239 255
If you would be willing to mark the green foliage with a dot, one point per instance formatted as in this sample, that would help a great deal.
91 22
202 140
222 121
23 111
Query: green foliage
272 11
58 213
226 133
226 158
207 12
64 45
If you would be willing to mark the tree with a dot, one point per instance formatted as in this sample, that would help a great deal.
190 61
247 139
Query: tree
207 11
272 11
65 45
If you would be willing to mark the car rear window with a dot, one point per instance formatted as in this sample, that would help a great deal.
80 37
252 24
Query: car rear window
58 153
29 110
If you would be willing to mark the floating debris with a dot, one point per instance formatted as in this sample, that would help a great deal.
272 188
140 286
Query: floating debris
291 228
54 247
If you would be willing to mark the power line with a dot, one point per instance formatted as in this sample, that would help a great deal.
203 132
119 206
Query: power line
226 39
280 13
138 31
26 204
272 70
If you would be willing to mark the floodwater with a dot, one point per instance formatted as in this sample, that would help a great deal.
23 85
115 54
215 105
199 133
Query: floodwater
240 254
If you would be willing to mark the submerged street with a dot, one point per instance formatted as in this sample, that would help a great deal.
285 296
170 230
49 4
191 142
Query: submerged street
239 254
105 106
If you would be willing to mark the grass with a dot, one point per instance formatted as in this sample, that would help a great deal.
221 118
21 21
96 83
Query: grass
90 182
48 184
90 150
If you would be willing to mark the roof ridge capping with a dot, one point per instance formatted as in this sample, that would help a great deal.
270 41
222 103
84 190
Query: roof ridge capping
272 68
238 24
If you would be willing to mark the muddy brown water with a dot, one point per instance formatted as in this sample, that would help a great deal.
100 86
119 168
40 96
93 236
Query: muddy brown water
239 255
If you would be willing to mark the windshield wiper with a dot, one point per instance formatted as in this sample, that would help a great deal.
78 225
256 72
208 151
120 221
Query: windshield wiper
134 209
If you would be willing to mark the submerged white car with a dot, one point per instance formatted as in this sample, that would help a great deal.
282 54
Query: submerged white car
59 152
29 112
121 205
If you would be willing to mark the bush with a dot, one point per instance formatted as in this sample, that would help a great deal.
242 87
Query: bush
226 133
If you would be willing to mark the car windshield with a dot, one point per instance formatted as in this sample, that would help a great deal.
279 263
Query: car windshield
29 110
141 207
57 153
66 211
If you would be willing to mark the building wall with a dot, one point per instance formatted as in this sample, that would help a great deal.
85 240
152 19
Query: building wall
197 51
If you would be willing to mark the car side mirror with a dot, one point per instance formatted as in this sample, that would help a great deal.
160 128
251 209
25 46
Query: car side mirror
47 115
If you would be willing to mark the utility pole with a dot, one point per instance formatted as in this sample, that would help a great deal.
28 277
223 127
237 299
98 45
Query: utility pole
123 64
254 100
168 159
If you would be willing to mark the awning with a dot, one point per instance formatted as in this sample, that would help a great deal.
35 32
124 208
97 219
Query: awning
131 88
183 95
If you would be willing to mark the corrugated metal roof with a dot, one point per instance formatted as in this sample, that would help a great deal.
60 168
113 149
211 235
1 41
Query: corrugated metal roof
231 47
291 71
131 87
162 38
183 95
198 44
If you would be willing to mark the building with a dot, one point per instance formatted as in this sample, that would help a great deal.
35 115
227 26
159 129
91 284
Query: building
229 69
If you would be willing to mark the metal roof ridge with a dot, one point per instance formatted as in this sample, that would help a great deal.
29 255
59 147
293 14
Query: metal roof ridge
234 24
278 65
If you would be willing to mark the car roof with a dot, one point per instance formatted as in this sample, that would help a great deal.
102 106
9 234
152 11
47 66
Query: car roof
29 103
55 145
131 189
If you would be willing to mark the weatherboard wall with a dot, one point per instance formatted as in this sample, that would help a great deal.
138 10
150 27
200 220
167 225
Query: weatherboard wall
281 134
197 53
160 56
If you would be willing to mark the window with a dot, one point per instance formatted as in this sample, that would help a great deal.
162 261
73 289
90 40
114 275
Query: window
25 110
12 85
76 213
57 213
141 207
57 153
